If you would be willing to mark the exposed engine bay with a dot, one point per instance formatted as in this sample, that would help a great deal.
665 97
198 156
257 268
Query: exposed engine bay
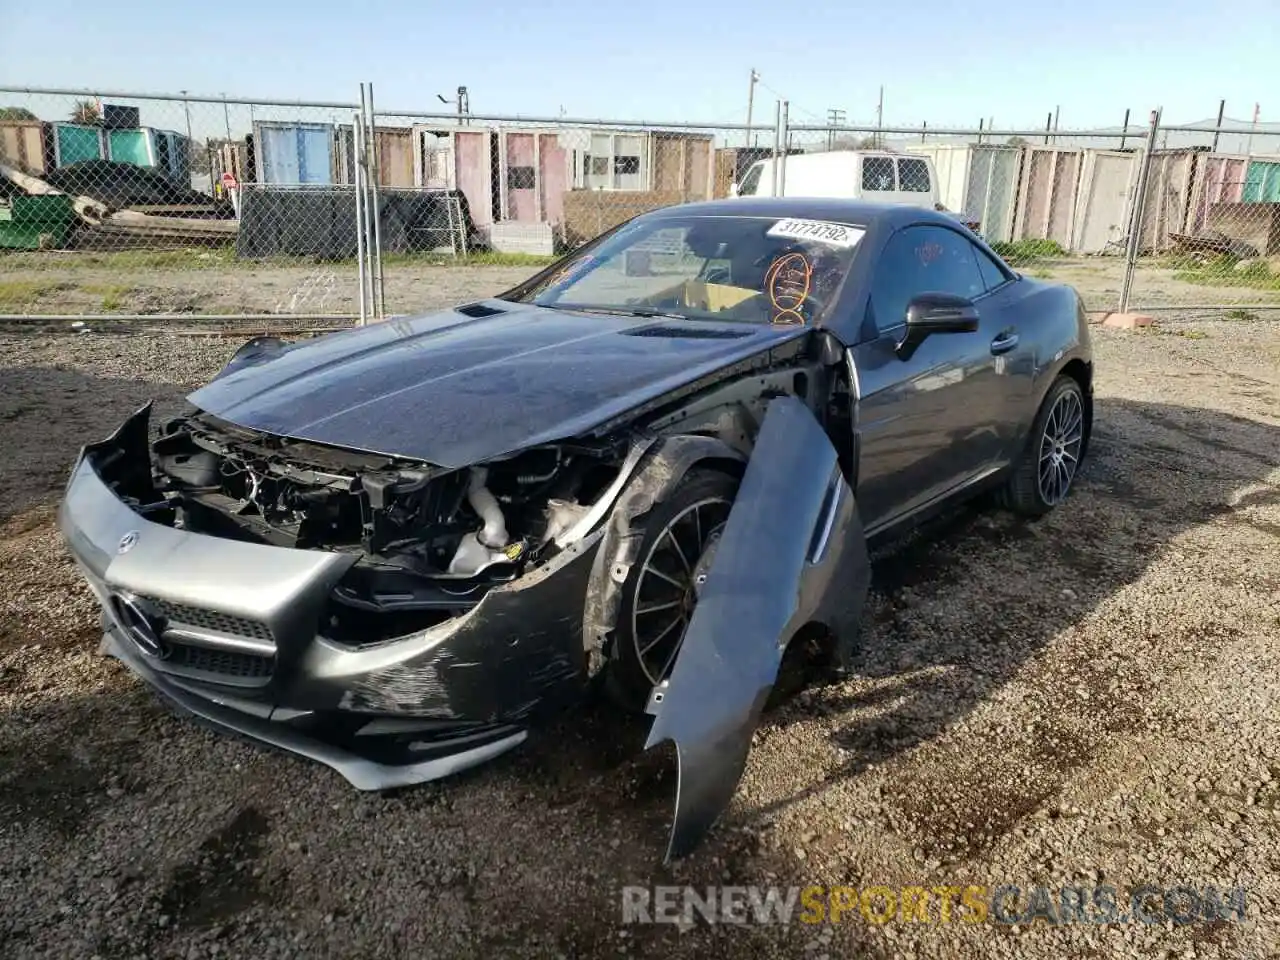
430 539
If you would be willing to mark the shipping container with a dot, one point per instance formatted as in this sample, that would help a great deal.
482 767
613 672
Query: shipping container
1048 187
75 143
165 151
22 142
978 180
296 153
1219 179
1167 207
1262 182
1108 182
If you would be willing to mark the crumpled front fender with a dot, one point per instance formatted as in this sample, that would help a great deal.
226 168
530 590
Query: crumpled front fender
792 552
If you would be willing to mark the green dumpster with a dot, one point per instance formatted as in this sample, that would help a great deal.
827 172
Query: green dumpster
36 223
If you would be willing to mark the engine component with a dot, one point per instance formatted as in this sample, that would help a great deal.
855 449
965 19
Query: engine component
485 504
487 546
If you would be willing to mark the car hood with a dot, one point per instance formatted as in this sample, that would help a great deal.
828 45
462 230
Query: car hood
455 389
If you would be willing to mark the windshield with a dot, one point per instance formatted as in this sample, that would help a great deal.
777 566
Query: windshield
749 269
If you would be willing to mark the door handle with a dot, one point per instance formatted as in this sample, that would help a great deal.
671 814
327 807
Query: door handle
1004 343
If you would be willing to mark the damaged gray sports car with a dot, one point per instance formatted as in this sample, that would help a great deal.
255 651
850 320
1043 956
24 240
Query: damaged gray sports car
652 466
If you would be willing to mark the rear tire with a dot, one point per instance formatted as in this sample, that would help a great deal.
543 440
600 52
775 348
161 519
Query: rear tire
659 594
1042 478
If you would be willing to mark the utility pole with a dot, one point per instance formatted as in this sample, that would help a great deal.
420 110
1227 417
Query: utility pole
1257 112
1124 131
880 117
751 100
1222 109
834 119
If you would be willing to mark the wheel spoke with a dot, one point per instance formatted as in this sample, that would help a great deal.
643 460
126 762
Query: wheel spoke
650 568
684 561
671 657
650 646
658 639
656 607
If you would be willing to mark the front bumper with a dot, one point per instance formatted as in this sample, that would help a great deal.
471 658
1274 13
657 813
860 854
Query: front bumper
230 632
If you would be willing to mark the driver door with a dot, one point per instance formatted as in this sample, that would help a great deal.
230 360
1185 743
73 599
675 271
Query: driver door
928 424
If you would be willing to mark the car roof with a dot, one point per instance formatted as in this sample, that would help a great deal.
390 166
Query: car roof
858 212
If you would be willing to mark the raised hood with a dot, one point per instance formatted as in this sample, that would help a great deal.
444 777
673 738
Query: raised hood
455 389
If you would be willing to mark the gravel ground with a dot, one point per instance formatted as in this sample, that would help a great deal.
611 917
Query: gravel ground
1093 698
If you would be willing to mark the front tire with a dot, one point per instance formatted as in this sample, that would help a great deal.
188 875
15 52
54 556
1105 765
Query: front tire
661 588
1043 477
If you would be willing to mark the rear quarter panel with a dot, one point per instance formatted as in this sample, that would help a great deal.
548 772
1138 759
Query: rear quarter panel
1052 321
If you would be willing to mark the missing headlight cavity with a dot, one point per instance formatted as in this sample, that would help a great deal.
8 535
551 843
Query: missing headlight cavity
431 541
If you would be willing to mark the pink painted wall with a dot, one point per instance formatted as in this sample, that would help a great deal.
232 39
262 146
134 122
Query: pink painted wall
553 176
521 204
471 161
1221 181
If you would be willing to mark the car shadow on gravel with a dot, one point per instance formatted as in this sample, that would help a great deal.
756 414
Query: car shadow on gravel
961 605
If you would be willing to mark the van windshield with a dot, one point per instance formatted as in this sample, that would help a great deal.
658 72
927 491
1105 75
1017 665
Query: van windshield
750 269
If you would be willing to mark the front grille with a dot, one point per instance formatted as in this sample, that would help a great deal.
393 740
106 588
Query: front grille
225 663
200 617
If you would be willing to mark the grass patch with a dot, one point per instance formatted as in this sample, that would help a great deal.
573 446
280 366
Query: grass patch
1239 314
113 297
16 293
487 258
1220 270
224 258
1255 276
1021 252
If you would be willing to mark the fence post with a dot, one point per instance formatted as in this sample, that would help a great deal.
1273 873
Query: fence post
379 298
1139 211
786 148
777 148
357 144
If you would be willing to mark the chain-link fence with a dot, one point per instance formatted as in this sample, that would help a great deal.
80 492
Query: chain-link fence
1206 230
176 205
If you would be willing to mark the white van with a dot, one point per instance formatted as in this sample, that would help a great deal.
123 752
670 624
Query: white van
873 175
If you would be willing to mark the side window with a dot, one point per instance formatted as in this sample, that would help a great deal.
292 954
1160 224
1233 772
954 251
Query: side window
992 274
877 174
920 260
751 180
913 176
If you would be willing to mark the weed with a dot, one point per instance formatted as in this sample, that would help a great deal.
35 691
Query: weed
1018 252
14 293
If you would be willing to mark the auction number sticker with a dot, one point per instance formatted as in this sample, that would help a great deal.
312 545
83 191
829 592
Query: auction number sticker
819 231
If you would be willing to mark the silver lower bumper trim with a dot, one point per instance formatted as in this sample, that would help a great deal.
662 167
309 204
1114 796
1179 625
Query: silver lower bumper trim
360 773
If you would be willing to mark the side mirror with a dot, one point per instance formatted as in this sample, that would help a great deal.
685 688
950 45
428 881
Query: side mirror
931 313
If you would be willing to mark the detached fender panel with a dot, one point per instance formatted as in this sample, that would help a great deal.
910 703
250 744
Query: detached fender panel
792 552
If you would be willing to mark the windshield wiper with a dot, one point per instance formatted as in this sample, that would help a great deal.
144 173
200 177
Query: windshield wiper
647 312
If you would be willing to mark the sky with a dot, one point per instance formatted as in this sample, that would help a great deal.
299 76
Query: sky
943 62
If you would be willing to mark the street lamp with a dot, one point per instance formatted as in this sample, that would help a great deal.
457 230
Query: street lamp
463 102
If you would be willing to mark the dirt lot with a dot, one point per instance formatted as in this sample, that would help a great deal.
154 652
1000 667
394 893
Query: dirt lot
208 282
1091 699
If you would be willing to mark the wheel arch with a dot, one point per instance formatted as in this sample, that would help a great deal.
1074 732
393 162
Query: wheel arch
1081 371
660 472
